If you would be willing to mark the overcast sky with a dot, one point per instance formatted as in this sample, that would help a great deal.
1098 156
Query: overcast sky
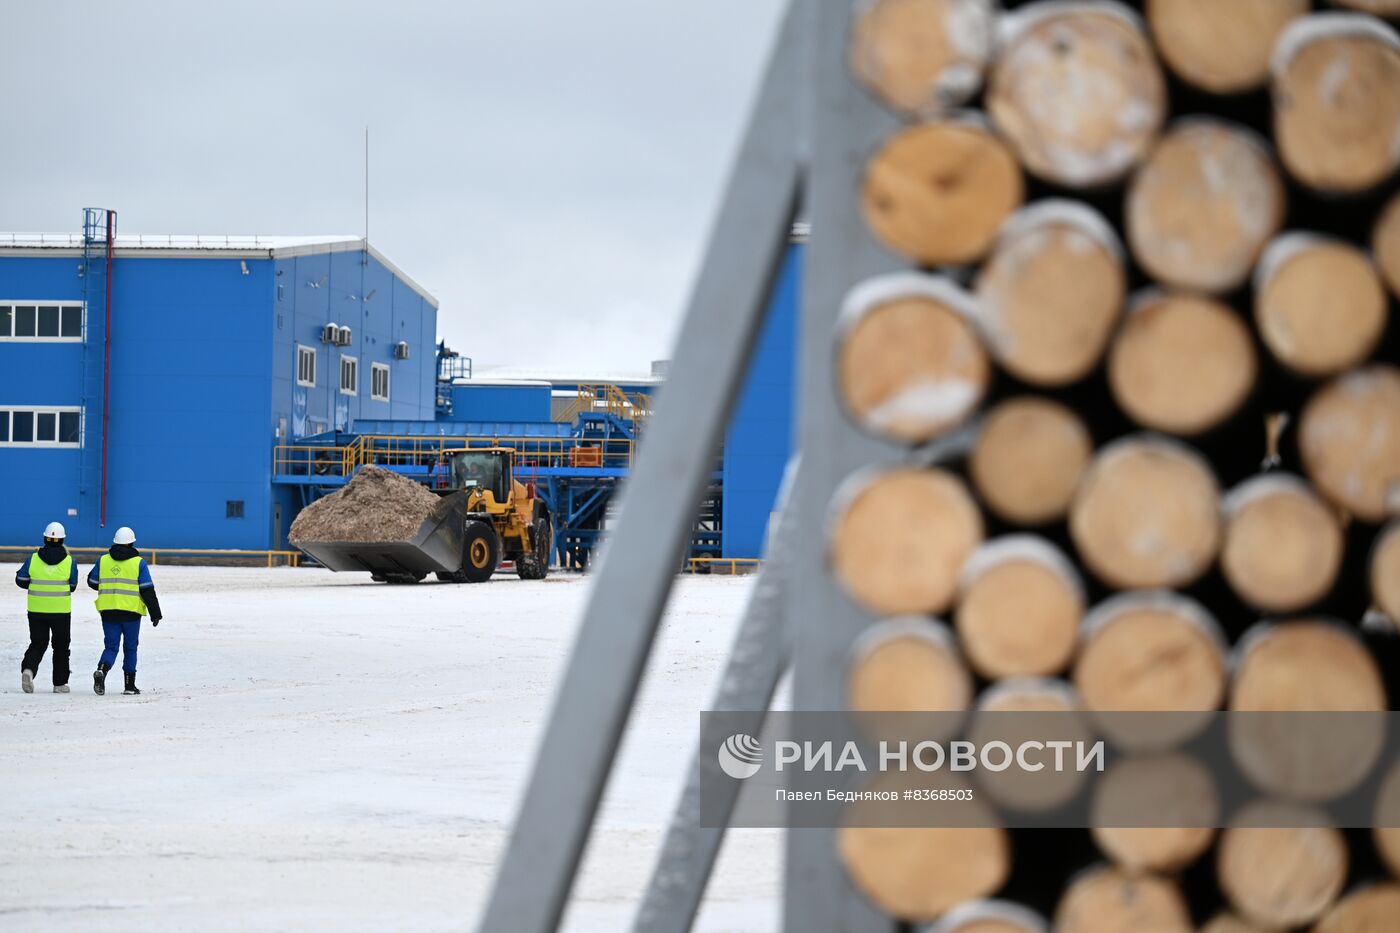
547 169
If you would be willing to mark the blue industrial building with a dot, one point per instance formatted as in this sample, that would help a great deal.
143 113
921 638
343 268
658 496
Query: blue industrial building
761 432
244 377
218 349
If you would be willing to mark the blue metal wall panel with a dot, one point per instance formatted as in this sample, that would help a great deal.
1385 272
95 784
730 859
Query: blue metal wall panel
501 403
203 380
761 437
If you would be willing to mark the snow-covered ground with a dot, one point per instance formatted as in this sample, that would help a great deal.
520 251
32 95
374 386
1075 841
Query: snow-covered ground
313 751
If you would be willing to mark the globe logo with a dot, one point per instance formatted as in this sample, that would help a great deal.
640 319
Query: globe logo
740 756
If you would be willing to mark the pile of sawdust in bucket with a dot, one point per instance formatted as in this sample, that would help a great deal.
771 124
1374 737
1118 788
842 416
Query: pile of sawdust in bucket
376 505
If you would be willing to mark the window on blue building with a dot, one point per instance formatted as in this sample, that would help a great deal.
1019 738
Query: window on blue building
233 508
52 321
379 382
41 427
70 427
306 366
349 375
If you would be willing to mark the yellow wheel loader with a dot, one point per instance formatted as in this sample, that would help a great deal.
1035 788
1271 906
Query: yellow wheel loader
503 517
485 515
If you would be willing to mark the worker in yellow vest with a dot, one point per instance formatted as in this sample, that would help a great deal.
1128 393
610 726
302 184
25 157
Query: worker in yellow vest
50 576
125 593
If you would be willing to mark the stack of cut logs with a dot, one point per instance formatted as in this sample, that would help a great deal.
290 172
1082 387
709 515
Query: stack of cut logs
1145 362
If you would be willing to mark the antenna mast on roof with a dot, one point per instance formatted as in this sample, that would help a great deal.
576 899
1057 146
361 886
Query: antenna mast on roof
366 187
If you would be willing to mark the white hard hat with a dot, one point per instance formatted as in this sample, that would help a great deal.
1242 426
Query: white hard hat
124 535
55 531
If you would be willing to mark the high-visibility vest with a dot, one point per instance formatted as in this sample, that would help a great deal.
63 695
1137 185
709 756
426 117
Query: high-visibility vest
119 585
48 585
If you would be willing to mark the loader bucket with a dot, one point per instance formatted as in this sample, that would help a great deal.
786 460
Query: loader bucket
435 548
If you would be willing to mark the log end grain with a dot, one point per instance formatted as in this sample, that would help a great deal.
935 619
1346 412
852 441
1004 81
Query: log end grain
1387 821
1385 572
919 873
1025 710
922 57
899 540
1283 545
1349 438
1385 244
1151 652
1232 923
1181 363
1204 206
1221 47
1146 515
1019 609
911 367
937 192
1390 8
1279 871
1103 900
908 666
1305 665
1155 790
1050 295
1320 305
1079 94
990 917
1336 91
1028 458
1368 910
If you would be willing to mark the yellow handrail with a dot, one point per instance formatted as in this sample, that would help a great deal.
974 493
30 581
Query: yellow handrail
693 564
152 555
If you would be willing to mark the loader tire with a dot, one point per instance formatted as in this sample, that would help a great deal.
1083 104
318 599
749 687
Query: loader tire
535 566
481 552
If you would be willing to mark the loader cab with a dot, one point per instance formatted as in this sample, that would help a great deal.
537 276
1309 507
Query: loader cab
488 469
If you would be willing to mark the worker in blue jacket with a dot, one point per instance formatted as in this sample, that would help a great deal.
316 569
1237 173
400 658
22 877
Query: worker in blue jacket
50 575
125 593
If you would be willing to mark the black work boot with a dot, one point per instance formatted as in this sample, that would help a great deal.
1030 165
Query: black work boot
130 690
99 679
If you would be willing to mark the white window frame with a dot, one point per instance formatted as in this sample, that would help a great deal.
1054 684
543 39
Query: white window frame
374 370
7 410
36 303
355 375
301 350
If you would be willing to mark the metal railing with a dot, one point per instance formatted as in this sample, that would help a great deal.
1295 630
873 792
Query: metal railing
607 398
194 556
310 460
426 452
710 564
173 241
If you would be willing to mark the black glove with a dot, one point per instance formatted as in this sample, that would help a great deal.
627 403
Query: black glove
155 623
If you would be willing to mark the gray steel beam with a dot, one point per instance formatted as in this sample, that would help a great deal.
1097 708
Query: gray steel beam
658 505
846 127
756 663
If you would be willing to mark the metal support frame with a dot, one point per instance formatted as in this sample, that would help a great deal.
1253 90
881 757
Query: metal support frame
808 104
847 125
721 325
756 662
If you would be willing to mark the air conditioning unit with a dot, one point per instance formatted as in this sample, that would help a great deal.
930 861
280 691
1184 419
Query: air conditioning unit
345 337
330 334
401 350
